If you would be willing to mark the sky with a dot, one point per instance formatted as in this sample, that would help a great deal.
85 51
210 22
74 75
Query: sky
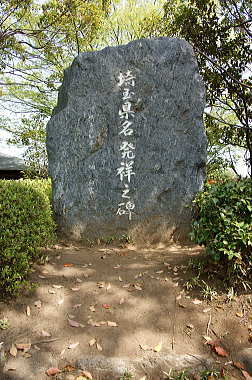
5 148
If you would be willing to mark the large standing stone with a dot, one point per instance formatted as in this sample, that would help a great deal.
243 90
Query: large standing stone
166 98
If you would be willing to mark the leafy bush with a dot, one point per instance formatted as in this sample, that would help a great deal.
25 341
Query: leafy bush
25 225
223 224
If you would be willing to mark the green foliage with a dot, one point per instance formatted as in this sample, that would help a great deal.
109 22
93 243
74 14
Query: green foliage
4 324
26 224
130 20
224 224
126 376
220 34
42 38
31 133
188 375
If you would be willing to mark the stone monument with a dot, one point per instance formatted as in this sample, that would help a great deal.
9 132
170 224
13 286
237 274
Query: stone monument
126 143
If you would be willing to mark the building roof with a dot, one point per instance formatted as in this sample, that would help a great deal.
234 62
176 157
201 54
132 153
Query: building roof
8 162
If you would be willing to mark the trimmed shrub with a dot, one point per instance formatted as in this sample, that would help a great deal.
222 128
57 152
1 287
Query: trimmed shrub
223 224
26 224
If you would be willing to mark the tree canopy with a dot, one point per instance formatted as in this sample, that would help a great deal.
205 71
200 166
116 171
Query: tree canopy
220 33
38 39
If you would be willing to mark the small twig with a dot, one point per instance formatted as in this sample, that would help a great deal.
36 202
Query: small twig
46 341
174 319
215 333
200 360
208 325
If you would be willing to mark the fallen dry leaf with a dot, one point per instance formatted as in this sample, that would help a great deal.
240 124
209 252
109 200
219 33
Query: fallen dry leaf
98 346
213 343
57 286
137 287
38 304
96 324
145 347
69 368
246 375
112 324
86 374
71 316
62 352
52 371
23 346
67 265
28 311
181 305
240 315
138 275
73 323
220 351
13 350
73 345
27 355
196 302
92 342
206 310
207 338
217 348
100 284
238 365
190 326
77 306
158 347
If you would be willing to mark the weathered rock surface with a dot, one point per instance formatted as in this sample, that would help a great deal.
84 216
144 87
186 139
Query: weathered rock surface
166 159
153 365
245 357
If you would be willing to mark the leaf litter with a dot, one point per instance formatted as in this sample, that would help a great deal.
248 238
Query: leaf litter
215 345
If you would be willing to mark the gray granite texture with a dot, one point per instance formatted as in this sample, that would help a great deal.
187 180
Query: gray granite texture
167 154
152 365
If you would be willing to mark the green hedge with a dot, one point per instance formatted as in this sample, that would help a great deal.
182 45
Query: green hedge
223 223
26 224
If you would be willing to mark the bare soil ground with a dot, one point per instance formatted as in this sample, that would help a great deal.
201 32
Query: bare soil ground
118 302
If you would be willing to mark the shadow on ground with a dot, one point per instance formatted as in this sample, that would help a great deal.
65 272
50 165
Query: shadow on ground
141 291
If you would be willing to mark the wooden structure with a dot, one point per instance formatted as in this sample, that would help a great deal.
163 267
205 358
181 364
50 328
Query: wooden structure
11 167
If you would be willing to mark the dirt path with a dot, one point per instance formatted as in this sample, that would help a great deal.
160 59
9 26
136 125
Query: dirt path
115 302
